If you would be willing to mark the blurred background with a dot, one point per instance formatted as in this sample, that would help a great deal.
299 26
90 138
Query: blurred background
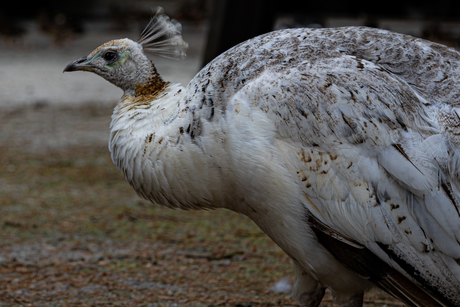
37 38
73 233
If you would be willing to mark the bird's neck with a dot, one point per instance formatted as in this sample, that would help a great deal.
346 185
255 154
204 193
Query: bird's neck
147 85
151 85
151 105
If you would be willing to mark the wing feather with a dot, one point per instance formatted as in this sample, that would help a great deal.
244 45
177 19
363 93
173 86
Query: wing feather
358 148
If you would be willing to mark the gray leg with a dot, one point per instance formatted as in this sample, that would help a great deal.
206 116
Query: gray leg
355 301
307 289
312 299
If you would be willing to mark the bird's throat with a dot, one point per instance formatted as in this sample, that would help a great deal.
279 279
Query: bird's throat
151 87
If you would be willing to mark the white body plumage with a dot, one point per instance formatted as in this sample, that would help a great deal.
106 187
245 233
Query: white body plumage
341 144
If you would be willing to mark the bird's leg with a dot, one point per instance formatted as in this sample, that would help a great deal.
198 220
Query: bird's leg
306 288
312 299
356 300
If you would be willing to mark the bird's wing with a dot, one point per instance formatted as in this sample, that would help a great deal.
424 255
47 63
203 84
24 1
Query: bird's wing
373 165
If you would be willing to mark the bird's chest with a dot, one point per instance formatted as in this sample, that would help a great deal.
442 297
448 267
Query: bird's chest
168 165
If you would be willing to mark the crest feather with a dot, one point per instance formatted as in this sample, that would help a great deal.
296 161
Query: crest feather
162 37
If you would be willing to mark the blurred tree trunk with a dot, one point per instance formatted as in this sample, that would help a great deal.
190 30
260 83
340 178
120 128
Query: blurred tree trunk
234 21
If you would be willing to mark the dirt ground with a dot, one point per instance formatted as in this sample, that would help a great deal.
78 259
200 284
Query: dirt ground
73 233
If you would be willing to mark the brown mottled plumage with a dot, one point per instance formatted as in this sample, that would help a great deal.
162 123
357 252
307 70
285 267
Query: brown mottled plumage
151 88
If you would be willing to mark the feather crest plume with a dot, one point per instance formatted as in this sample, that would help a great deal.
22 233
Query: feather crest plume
162 37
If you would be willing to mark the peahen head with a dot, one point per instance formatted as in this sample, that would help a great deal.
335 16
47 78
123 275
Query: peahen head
124 63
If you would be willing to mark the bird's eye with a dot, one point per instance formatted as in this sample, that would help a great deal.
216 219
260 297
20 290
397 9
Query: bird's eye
109 56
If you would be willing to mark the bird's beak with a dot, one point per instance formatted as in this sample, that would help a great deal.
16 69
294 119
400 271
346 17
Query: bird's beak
80 64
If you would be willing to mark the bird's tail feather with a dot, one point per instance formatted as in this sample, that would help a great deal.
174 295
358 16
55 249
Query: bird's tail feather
366 264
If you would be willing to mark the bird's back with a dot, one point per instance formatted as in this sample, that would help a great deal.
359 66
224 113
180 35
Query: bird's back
431 68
